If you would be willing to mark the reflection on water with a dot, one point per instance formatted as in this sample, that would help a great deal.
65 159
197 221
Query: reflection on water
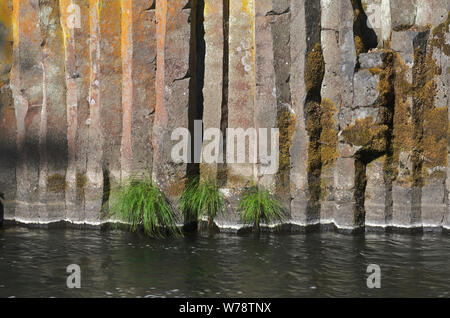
120 264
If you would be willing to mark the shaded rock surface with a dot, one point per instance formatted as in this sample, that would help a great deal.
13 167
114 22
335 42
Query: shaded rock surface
91 91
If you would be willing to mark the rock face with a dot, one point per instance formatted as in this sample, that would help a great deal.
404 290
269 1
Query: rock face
92 91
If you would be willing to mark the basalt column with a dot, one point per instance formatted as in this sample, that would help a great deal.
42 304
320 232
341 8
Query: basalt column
105 121
27 89
7 115
213 98
75 24
331 86
420 147
405 188
265 81
273 96
435 97
241 142
172 93
346 169
53 126
241 93
138 86
307 69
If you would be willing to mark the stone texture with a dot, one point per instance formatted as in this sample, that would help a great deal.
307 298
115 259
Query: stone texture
27 89
83 108
172 93
138 85
366 88
241 88
375 201
345 165
403 14
8 157
298 152
373 59
331 85
53 127
213 89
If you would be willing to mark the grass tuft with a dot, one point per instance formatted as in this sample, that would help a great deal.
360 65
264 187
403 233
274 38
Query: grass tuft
140 203
258 206
203 198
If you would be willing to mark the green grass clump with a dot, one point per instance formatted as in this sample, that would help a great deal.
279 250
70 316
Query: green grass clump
258 206
203 198
140 203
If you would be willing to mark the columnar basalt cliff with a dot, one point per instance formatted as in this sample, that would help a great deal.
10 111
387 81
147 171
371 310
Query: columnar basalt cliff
91 91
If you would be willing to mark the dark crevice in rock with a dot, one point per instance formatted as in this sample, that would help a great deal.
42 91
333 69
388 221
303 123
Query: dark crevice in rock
276 13
314 74
360 191
197 75
190 4
387 100
152 6
2 197
106 190
365 37
222 169
186 76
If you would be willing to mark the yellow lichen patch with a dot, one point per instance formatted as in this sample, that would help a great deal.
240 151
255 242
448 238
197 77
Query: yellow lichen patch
315 68
247 6
66 15
359 45
375 70
56 183
366 134
329 134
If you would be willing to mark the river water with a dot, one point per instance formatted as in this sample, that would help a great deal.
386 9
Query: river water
116 263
